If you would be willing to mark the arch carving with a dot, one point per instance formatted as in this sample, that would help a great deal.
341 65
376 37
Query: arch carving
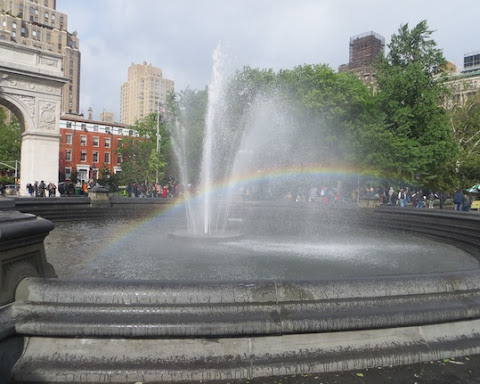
31 84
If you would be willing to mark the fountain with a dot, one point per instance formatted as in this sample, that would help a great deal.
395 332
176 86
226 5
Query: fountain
207 218
305 291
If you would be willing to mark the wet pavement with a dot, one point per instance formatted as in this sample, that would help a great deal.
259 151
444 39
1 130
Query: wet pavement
460 370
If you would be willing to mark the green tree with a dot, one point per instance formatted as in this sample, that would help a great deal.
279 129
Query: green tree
329 110
465 123
188 127
244 88
409 96
11 140
140 157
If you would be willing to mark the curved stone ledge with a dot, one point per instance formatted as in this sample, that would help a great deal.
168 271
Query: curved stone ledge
82 360
155 309
458 228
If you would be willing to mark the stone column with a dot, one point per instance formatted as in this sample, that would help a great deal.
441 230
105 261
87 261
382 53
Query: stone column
99 197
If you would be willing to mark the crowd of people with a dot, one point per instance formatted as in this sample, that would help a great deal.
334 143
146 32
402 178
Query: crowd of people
66 188
403 197
42 189
323 194
462 199
152 190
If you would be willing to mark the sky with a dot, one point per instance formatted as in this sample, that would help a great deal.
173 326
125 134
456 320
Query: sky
180 36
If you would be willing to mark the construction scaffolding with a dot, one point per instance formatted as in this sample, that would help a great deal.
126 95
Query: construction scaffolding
364 49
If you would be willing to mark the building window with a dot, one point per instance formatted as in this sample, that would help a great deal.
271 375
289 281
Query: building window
96 141
95 128
68 173
119 143
84 126
83 156
83 140
14 25
68 155
95 157
107 157
68 138
120 131
119 158
107 142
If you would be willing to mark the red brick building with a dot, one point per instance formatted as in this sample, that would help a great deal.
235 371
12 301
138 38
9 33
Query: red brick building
87 146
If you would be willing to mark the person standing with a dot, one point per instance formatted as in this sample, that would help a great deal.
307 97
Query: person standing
42 187
408 193
431 199
402 198
458 200
30 189
467 202
164 192
52 189
391 192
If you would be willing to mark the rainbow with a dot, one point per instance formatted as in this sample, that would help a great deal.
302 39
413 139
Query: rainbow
313 172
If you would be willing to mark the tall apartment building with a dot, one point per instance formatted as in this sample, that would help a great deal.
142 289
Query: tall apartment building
363 53
143 93
38 24
471 62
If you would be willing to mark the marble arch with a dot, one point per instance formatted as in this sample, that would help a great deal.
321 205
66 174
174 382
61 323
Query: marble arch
31 83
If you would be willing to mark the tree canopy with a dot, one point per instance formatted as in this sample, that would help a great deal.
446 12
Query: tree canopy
398 130
409 95
465 124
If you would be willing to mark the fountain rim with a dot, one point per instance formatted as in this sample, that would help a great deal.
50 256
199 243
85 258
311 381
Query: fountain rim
212 237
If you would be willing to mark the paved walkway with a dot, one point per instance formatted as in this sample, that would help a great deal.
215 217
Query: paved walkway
463 370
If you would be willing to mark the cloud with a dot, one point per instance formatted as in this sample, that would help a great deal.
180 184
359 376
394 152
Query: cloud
180 36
